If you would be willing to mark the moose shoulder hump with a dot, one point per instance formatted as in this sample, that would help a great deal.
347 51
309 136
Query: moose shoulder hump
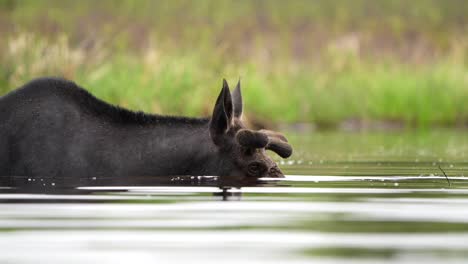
70 92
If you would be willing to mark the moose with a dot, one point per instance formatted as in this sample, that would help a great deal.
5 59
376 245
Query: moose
53 127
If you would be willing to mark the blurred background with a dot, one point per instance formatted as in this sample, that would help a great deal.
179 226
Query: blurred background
329 64
395 71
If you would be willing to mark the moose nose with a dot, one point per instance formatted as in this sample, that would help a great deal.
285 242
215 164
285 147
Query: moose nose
275 172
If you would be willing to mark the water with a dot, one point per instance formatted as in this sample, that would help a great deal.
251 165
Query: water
348 198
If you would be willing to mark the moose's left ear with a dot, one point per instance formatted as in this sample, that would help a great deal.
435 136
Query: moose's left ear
237 101
222 115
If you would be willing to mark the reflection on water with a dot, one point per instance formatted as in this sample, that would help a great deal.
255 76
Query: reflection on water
354 203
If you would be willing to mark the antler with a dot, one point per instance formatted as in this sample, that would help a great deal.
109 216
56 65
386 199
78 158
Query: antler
252 139
267 139
277 143
280 147
274 134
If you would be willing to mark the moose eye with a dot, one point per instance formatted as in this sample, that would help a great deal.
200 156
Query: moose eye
255 168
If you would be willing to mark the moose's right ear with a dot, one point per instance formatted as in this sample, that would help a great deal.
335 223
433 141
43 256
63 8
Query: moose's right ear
237 100
222 115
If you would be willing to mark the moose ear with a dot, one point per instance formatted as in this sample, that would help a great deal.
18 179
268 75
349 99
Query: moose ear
237 101
222 115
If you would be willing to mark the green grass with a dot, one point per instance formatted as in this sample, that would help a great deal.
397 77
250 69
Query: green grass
305 61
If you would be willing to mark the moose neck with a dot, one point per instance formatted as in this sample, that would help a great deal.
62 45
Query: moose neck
176 146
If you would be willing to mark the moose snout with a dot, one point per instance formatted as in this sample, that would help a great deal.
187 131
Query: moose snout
275 172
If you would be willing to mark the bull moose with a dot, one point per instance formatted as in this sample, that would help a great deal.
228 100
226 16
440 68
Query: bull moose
53 127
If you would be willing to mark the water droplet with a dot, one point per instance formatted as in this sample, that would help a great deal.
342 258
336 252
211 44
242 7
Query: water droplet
451 166
94 178
396 184
53 184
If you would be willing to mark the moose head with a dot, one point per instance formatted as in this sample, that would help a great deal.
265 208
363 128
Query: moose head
243 151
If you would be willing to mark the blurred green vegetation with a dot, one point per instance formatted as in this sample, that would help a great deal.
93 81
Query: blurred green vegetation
322 61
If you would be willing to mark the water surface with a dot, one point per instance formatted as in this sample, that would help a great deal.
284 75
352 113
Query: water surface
348 197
